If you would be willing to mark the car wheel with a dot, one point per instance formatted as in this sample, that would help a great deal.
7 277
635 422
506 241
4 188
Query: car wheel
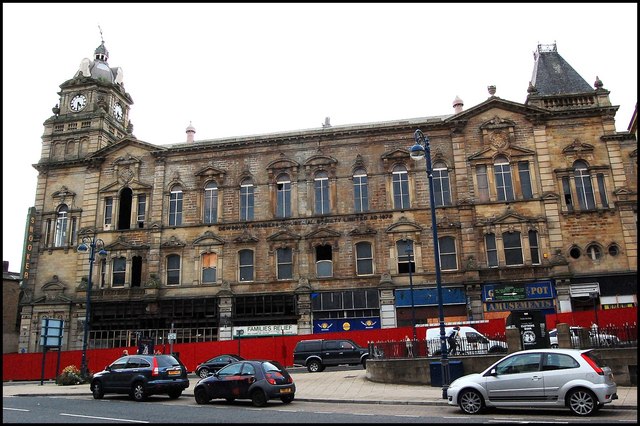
314 366
287 399
203 373
258 398
175 394
137 392
470 401
200 394
98 391
582 402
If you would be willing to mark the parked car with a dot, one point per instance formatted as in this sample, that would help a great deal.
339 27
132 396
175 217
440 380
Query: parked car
259 381
141 376
215 364
320 353
470 341
598 339
572 378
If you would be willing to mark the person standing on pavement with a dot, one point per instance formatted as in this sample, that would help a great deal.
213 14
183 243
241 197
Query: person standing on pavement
409 344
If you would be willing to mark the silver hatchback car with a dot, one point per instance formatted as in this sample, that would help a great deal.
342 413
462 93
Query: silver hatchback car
549 378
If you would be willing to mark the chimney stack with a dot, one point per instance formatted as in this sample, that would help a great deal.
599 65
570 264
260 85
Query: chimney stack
190 132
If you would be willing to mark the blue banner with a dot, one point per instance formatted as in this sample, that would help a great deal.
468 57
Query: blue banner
429 296
345 324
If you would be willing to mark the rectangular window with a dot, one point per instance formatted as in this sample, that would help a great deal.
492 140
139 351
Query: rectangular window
504 185
533 246
448 258
285 263
119 271
483 183
401 190
360 193
441 191
364 259
603 190
324 262
246 202
103 272
404 251
108 210
246 265
211 203
283 199
47 233
525 180
173 269
209 267
175 208
492 250
321 185
74 230
512 248
566 189
584 190
142 206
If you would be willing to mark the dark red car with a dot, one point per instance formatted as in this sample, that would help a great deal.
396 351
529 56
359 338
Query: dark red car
258 381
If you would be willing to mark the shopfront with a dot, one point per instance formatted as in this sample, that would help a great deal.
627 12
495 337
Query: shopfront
425 305
500 299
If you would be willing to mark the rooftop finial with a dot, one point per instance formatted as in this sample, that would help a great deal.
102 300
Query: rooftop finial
101 38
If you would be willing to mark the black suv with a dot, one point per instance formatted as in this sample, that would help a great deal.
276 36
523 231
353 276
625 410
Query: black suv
318 354
141 376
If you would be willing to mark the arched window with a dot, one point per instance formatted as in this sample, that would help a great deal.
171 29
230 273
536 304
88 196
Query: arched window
245 265
173 269
119 272
246 200
400 188
504 183
62 220
441 189
175 206
584 188
321 191
360 191
210 203
283 196
364 259
324 261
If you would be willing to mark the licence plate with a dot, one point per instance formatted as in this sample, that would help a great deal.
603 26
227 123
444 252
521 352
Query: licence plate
285 390
174 372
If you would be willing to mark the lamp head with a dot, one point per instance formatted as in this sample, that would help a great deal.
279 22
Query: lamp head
103 253
82 248
416 152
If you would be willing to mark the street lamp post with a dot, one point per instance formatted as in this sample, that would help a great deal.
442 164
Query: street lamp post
417 152
409 253
89 244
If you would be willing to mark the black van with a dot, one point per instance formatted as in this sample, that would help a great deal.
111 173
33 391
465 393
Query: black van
320 353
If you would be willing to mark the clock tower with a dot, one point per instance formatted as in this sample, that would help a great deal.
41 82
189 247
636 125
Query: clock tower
93 112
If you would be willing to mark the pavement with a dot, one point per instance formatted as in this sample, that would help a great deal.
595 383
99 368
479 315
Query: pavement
328 386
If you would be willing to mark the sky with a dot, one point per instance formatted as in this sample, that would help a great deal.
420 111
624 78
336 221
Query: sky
236 69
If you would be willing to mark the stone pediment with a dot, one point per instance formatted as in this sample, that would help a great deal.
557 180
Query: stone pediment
245 238
497 123
173 242
323 233
320 160
63 193
125 143
550 196
403 225
489 153
211 172
54 291
208 239
122 244
283 163
509 218
362 229
283 236
398 154
577 148
134 185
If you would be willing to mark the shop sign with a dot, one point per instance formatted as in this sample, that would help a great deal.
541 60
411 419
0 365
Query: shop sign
346 324
519 305
266 330
505 292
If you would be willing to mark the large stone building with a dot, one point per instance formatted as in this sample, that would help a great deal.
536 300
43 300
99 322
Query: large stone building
298 232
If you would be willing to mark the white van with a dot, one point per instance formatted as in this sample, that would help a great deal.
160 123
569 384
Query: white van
470 342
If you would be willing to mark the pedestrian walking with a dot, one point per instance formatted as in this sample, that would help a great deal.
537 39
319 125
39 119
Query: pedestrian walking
452 339
409 344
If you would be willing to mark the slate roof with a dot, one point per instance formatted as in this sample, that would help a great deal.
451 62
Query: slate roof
552 75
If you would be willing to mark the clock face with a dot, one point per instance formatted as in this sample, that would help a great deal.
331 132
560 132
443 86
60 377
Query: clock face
78 103
118 112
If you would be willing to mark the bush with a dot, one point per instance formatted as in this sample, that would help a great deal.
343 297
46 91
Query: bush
70 376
